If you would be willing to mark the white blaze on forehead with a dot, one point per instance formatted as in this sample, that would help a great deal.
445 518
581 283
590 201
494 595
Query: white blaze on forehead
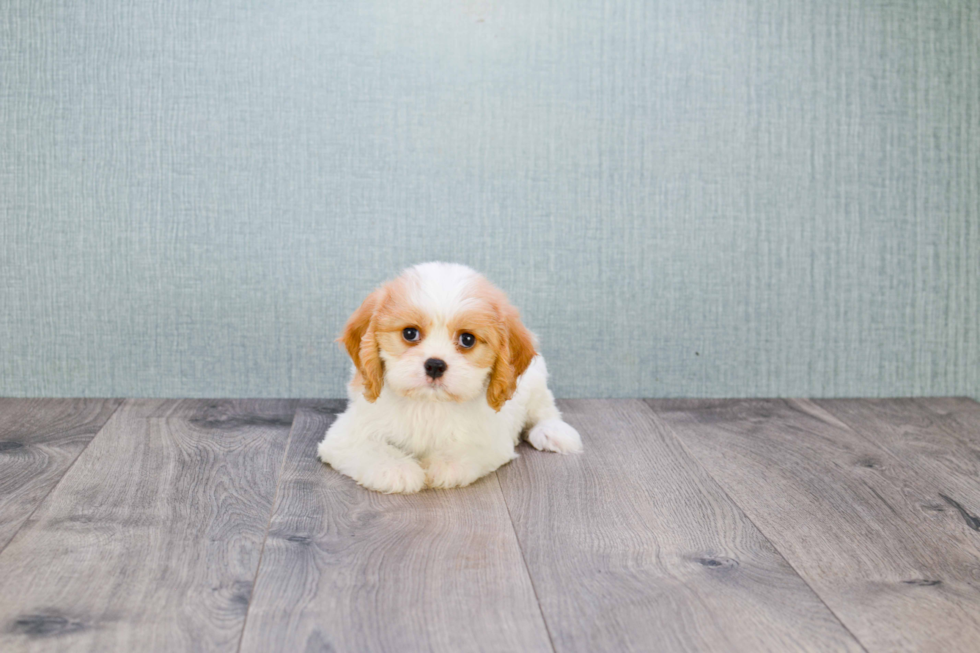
441 289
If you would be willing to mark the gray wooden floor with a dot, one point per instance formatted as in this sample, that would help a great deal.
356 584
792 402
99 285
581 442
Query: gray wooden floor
686 525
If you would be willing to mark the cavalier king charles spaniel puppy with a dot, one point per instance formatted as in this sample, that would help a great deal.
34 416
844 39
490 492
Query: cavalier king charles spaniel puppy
445 381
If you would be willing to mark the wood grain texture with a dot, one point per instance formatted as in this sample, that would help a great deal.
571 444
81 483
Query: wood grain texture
39 440
867 529
632 546
937 437
152 539
345 569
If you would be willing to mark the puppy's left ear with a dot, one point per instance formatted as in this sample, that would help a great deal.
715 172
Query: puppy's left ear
517 348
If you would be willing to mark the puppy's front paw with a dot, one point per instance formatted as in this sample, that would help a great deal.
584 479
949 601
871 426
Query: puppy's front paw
555 435
447 473
393 477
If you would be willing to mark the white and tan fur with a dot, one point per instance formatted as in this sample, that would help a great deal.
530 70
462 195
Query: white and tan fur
404 430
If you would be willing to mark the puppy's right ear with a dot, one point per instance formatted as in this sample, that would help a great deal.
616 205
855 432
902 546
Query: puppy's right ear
361 344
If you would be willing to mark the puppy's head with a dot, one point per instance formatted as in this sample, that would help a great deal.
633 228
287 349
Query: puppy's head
439 332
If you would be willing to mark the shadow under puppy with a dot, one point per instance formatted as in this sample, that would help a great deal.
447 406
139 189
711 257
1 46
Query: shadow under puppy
446 379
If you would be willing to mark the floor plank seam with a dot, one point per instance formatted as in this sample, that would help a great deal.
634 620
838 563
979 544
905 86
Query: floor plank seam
268 525
870 441
527 570
40 503
874 442
748 517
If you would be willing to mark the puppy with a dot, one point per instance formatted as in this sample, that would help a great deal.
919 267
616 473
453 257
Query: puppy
445 381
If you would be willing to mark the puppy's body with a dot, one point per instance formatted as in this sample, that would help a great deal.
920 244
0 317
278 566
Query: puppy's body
411 423
399 444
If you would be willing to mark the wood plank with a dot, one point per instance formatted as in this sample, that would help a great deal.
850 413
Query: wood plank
867 530
632 546
39 440
346 569
937 437
152 539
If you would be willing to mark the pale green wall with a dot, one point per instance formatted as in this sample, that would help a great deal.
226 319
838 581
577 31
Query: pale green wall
701 198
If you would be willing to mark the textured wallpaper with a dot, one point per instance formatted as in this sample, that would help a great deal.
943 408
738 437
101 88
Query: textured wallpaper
685 197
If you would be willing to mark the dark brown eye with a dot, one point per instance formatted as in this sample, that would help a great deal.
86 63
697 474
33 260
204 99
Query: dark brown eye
467 340
411 334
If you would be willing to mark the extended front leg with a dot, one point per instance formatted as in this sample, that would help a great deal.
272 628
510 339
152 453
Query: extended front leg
375 464
555 435
460 466
547 430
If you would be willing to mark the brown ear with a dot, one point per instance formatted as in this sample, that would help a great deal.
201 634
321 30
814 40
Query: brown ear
362 345
513 356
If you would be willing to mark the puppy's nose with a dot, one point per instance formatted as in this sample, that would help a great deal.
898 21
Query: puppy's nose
434 367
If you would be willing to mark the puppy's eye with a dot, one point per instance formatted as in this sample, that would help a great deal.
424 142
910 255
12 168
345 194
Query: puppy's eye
411 334
467 340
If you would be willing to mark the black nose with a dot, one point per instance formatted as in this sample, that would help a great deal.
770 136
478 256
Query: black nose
434 367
